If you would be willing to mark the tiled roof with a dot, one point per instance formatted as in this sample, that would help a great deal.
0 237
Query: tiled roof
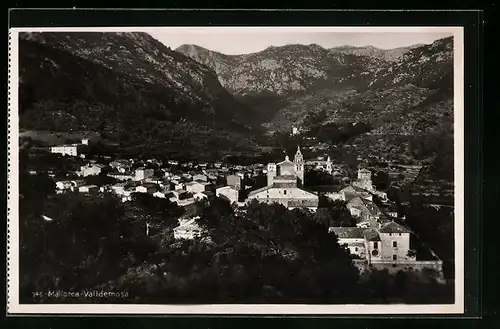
348 232
303 203
148 185
394 227
259 190
286 161
371 235
286 177
353 189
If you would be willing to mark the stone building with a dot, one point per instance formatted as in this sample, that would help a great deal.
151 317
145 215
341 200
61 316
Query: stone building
364 180
143 173
284 185
284 191
386 247
227 192
235 181
287 168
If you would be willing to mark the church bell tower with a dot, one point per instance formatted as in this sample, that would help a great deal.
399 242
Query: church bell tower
271 173
299 167
329 168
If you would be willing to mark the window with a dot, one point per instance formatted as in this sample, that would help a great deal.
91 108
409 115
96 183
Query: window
284 192
399 234
394 244
390 234
356 249
394 257
375 245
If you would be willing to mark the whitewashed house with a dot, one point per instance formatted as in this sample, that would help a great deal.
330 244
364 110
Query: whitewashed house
227 192
62 186
195 187
352 238
200 196
91 169
185 202
148 188
178 186
76 184
121 166
69 149
154 179
119 188
162 194
143 173
88 189
200 177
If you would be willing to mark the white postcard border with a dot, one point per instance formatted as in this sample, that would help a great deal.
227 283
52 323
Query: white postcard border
13 305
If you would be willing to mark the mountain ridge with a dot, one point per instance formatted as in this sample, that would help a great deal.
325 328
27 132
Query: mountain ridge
298 68
116 85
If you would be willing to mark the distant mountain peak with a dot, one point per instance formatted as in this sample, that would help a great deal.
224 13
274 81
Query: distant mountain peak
190 47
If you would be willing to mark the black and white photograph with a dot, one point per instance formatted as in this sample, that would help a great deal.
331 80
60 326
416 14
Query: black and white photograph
265 170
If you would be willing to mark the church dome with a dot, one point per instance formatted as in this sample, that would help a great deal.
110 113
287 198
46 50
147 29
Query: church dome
286 167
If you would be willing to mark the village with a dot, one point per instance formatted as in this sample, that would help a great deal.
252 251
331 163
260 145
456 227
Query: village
380 238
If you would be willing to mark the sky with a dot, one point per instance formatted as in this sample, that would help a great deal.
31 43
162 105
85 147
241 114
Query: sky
234 41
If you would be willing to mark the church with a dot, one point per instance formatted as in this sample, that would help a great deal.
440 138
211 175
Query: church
284 185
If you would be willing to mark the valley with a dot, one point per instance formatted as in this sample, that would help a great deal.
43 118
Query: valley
149 99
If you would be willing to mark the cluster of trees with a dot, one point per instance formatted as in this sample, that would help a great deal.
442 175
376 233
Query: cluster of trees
82 241
437 228
315 118
101 179
265 253
333 133
439 147
43 161
334 213
318 177
183 140
380 180
265 104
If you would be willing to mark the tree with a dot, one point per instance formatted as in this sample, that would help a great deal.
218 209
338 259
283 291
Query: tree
346 220
323 217
215 212
160 211
381 180
100 179
318 177
339 214
393 195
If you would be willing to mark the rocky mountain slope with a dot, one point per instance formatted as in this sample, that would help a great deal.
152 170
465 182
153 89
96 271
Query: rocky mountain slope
404 94
370 51
120 84
350 84
283 70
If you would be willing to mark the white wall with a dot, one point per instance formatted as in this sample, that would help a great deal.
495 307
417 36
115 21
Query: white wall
65 150
292 193
402 241
370 247
195 188
229 193
354 244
